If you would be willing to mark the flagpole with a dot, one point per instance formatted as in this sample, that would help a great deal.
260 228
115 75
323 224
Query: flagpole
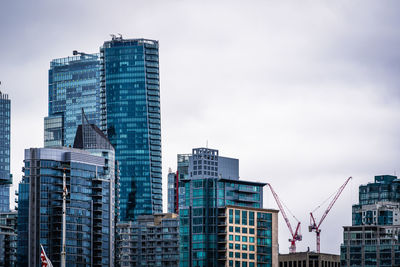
64 208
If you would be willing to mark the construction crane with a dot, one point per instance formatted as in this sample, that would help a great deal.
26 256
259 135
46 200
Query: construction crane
314 226
296 234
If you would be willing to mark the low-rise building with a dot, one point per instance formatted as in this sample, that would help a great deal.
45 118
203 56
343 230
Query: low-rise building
309 259
8 239
151 240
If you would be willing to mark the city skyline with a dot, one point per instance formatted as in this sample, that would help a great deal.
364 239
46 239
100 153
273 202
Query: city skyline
300 93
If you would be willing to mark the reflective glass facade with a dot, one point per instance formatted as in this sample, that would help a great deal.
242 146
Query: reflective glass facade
74 83
5 177
374 237
131 118
90 207
199 214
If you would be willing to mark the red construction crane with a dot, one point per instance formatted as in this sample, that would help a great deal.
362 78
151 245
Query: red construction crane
296 235
313 224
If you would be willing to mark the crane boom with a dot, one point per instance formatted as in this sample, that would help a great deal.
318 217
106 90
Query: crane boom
333 201
314 226
296 236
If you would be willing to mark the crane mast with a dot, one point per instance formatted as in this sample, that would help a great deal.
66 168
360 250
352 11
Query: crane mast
296 235
314 226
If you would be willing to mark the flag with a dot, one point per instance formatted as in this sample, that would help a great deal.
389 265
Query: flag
45 261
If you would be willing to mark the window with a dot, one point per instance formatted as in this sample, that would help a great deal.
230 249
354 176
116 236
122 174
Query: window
244 255
244 238
230 254
251 239
251 247
237 255
251 256
230 228
251 231
237 229
237 246
237 237
230 237
251 218
230 216
244 217
244 247
230 245
244 230
237 216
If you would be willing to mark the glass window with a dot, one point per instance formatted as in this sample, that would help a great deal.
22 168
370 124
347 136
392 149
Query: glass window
251 231
237 216
251 247
244 247
251 239
244 230
230 237
244 238
237 255
230 228
244 255
230 216
230 245
251 218
244 217
237 229
237 237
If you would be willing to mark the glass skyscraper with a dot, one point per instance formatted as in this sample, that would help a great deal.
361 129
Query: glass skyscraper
90 215
5 177
74 83
130 108
374 237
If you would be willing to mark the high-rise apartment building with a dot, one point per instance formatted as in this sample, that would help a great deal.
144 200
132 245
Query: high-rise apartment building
130 106
374 237
152 240
201 195
203 162
74 84
247 237
90 217
5 176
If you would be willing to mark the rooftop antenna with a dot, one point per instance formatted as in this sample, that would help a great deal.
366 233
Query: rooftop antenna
113 36
120 36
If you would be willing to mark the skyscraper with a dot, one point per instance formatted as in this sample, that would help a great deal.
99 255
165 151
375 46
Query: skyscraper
5 176
203 193
90 217
130 107
374 237
203 162
74 83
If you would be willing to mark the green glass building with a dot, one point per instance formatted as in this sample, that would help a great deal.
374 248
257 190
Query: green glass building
130 108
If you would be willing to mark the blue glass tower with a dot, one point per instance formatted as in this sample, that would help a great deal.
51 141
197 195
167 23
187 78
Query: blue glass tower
74 83
5 177
90 214
131 118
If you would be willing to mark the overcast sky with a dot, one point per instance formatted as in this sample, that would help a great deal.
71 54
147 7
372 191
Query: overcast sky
304 93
